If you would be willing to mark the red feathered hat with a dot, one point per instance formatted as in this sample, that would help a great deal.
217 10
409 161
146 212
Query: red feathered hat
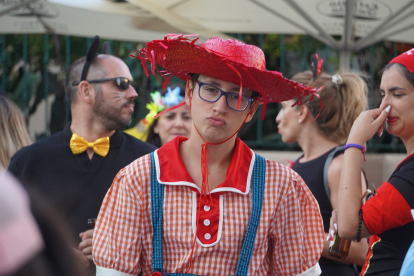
229 60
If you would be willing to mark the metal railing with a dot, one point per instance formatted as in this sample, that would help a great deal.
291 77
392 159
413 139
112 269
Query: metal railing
258 134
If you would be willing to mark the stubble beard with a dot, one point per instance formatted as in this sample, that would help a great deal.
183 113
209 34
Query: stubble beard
110 116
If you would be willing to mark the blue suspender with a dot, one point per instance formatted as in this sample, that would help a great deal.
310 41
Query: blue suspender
157 203
258 182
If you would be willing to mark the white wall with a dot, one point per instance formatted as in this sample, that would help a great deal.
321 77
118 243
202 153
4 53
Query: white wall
378 167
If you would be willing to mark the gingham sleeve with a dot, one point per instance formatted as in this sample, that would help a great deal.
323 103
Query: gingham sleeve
117 236
297 230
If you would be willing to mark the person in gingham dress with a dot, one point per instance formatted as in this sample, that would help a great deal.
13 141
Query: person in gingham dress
209 205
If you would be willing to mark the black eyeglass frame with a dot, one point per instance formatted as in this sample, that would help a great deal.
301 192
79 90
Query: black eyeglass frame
222 93
118 82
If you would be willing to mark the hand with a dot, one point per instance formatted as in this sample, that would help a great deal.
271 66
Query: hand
86 244
333 226
367 123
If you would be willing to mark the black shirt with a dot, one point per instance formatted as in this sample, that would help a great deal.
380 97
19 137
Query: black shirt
388 253
74 184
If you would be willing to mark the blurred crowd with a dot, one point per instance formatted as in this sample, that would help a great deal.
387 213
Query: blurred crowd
50 189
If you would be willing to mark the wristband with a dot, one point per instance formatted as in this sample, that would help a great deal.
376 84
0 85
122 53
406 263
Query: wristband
362 148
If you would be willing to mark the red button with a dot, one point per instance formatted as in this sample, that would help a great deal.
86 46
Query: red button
157 274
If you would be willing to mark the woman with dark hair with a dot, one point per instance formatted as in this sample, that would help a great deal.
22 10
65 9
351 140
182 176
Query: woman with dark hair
320 133
388 215
169 125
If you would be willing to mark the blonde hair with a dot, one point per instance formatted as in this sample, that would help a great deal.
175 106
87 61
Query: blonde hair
13 131
342 102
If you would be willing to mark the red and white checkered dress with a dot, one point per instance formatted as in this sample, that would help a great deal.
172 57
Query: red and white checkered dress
289 239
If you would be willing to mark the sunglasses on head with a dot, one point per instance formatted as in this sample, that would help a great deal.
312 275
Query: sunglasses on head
120 82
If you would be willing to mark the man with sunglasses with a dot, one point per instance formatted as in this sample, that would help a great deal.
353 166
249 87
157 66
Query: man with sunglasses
208 205
74 168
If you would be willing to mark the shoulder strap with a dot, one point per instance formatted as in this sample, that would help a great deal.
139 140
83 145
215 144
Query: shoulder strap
157 202
257 185
328 161
157 199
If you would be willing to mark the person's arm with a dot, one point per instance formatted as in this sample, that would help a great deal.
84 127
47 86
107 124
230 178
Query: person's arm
392 206
349 193
117 234
358 250
297 229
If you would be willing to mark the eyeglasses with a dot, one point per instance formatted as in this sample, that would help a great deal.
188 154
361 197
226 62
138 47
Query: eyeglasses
212 94
120 82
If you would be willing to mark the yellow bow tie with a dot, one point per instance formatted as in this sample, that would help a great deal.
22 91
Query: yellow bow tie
78 144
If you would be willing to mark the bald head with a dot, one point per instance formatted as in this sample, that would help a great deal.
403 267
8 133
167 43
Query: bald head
97 70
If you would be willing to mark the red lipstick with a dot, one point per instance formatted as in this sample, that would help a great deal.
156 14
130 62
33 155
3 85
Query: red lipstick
391 120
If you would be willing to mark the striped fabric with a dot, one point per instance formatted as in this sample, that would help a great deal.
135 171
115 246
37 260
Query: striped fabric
289 238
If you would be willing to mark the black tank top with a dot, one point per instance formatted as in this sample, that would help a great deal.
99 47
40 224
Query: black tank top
312 173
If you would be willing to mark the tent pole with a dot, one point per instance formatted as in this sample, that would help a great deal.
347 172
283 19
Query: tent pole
391 23
349 15
344 58
16 7
307 31
363 41
345 53
306 16
383 36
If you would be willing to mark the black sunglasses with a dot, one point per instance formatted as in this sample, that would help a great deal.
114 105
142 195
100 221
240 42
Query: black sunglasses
120 82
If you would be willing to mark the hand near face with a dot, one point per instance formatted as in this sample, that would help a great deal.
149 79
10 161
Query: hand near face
367 124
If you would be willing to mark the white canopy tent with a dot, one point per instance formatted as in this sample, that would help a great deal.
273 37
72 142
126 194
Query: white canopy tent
143 19
88 18
358 23
344 25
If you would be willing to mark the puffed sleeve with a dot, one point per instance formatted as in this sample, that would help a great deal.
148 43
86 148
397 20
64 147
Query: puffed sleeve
117 237
393 206
297 231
